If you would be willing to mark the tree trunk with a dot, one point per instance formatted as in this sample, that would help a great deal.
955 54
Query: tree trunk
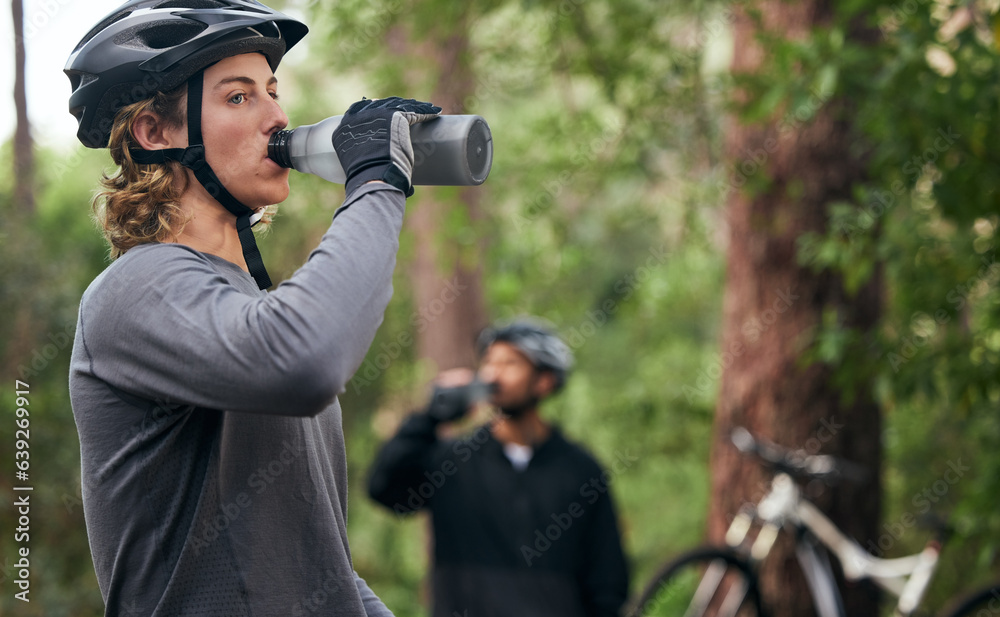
23 322
446 277
773 307
24 156
448 293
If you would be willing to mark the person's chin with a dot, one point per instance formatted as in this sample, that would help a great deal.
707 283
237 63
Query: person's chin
271 193
284 187
279 196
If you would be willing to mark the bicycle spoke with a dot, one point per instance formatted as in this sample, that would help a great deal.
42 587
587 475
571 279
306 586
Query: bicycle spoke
702 583
734 598
707 589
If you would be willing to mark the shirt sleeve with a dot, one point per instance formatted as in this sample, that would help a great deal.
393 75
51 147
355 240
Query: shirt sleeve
373 606
171 328
400 464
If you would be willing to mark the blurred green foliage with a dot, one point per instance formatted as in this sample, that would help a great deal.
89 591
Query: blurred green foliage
604 213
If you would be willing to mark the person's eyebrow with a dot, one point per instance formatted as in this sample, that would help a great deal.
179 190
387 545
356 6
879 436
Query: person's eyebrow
244 80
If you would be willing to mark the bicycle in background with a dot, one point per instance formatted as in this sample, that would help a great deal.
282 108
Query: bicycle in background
721 581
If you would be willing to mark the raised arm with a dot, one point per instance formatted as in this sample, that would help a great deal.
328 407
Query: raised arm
401 462
185 334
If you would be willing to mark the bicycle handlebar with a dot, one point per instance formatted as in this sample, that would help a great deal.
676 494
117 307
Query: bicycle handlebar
797 463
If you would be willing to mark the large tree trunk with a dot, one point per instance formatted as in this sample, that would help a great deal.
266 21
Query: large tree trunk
446 276
21 321
448 292
773 307
24 156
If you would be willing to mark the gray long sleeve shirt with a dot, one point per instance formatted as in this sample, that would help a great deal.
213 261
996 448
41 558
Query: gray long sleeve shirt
213 463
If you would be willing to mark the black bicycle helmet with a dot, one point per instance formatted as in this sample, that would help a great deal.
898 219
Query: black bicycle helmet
536 340
149 46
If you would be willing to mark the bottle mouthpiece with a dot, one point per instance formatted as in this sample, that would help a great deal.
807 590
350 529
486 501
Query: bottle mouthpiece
277 148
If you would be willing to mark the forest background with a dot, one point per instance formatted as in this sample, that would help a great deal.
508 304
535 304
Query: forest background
609 211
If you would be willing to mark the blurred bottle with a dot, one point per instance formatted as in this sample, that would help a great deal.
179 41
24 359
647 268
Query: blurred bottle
451 403
447 151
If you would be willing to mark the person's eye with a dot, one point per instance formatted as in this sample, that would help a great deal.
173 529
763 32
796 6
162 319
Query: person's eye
237 99
274 95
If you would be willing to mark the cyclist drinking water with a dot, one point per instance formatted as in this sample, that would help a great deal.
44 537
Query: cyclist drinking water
213 466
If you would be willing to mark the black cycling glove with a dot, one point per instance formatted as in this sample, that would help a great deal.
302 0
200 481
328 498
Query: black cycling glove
373 141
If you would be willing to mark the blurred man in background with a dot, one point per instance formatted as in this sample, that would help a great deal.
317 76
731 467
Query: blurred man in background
523 521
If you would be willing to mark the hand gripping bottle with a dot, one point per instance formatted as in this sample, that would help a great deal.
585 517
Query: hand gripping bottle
447 151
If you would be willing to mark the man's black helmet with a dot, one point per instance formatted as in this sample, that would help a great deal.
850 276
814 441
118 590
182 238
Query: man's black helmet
149 46
536 340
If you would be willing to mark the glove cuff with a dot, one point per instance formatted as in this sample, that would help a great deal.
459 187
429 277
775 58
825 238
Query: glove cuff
389 174
398 179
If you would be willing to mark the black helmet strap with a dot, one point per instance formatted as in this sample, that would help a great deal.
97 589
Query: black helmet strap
193 157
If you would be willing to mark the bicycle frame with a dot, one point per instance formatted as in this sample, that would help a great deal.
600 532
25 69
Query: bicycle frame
907 578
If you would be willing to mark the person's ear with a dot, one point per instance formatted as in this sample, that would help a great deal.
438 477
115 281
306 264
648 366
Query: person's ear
545 384
152 133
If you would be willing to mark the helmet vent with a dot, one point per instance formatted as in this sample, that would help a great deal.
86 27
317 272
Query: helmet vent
79 79
114 17
191 4
160 36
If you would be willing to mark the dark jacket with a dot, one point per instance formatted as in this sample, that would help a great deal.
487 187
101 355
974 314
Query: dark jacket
543 541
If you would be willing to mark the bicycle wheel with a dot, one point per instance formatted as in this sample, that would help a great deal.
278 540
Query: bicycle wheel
982 603
703 582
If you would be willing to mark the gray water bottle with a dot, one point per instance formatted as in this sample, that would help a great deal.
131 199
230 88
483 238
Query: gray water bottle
447 151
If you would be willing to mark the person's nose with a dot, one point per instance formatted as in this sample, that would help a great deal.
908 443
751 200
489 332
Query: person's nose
488 373
277 118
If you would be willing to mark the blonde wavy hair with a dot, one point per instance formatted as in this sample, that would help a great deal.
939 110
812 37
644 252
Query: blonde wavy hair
140 203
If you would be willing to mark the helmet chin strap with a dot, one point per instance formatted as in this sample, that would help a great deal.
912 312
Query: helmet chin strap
193 157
